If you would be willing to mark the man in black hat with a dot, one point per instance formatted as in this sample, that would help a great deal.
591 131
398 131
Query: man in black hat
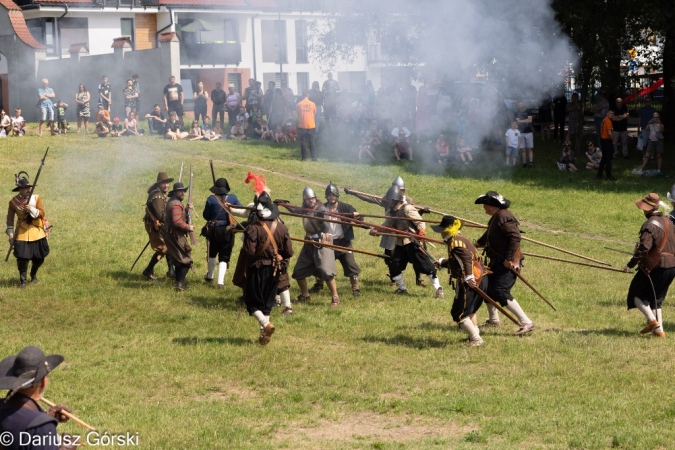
267 246
29 236
175 231
26 377
220 222
466 267
407 250
342 236
502 247
155 217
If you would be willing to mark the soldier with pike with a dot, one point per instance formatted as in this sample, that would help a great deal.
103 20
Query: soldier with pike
154 219
29 237
175 231
501 241
466 273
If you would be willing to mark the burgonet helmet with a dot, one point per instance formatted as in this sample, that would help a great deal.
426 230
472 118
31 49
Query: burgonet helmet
394 193
308 193
332 189
399 182
492 198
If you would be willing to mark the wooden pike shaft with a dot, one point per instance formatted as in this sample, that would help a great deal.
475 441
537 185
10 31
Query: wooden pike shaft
618 251
495 304
565 251
68 415
522 278
577 263
323 219
338 247
468 223
416 236
397 218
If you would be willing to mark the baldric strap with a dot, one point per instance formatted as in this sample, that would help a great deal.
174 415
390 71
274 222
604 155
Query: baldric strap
270 239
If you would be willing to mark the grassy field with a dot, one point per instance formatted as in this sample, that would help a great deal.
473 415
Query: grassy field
379 372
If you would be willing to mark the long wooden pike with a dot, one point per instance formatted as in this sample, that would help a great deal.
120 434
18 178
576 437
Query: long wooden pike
565 251
339 247
618 251
375 216
494 303
68 415
522 278
323 219
576 263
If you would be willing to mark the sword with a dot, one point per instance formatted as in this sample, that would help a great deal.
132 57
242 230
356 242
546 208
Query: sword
139 256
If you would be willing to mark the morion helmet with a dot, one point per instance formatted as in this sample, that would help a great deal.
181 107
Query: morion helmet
332 189
399 182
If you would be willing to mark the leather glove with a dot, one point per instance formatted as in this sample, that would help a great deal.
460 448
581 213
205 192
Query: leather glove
55 412
373 233
277 201
424 210
33 211
10 232
347 191
438 263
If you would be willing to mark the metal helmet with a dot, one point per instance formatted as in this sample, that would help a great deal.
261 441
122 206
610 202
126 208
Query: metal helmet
308 193
332 189
394 193
399 182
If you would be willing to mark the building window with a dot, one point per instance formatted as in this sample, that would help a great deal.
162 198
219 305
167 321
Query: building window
274 76
301 42
234 79
127 26
303 82
274 41
192 32
44 31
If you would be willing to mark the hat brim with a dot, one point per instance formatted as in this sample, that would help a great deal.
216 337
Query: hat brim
643 205
438 228
177 190
219 190
9 381
168 180
18 188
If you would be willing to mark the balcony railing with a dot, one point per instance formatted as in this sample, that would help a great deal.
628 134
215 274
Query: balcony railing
210 54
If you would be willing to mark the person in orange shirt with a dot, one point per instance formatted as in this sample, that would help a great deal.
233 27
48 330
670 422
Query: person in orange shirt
607 146
306 110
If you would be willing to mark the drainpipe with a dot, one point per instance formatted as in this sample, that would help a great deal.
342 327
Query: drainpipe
255 70
168 26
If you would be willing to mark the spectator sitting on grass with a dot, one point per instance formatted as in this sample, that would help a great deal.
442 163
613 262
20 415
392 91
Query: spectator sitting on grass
18 124
5 124
243 119
654 142
208 131
218 130
374 134
396 132
267 133
463 151
402 146
257 129
254 115
131 126
117 128
173 130
364 147
237 132
102 121
156 120
594 156
195 133
280 136
291 132
442 154
566 158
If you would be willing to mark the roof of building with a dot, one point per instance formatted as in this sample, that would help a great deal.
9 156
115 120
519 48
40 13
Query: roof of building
10 5
22 31
121 42
82 47
168 36
231 3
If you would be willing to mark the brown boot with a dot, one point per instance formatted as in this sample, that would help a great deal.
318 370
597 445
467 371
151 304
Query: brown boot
266 334
650 326
355 286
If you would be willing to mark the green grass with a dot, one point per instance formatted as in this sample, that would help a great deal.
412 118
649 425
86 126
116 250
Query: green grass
379 372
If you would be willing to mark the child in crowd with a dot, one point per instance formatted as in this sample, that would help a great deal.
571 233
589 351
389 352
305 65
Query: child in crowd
237 132
207 130
594 156
173 130
5 124
442 154
18 124
374 134
195 133
402 146
463 151
117 128
243 119
61 108
291 132
566 158
279 136
102 121
255 113
267 134
217 129
512 142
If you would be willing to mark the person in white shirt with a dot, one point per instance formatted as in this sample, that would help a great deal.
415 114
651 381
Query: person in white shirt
512 141
18 123
5 124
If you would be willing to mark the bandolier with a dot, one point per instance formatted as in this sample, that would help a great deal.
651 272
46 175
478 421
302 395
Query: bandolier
154 219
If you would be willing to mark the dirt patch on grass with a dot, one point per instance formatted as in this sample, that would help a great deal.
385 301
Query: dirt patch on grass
229 393
370 427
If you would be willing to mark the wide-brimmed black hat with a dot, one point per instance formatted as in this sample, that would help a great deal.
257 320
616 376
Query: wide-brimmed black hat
221 187
445 223
27 368
178 187
21 184
163 177
492 198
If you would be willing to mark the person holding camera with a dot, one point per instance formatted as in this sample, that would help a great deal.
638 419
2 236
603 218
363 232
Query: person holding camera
566 158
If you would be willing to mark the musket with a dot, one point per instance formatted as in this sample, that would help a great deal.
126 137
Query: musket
375 216
495 304
193 239
30 195
68 415
618 251
576 263
213 172
139 256
180 175
522 278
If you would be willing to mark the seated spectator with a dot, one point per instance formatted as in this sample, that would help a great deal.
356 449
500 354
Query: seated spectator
237 132
18 124
256 130
267 133
654 131
243 119
60 109
218 130
156 120
397 131
173 130
442 154
463 151
364 147
594 156
5 124
208 134
102 121
117 128
255 114
131 126
291 132
566 158
374 134
280 136
512 143
195 133
402 146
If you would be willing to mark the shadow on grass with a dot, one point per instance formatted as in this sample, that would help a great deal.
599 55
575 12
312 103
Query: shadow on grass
429 326
211 340
136 279
604 332
218 302
407 341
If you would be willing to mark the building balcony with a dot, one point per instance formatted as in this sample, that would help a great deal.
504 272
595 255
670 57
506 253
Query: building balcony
192 54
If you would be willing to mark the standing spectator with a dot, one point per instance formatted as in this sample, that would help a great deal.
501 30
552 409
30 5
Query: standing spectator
512 143
156 121
546 118
574 125
331 89
5 124
131 126
306 111
423 117
252 95
83 112
524 120
18 123
620 131
173 99
45 96
268 98
130 98
105 94
594 156
654 131
288 95
607 146
200 97
61 119
316 97
278 110
600 108
559 112
645 115
232 105
137 88
218 98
